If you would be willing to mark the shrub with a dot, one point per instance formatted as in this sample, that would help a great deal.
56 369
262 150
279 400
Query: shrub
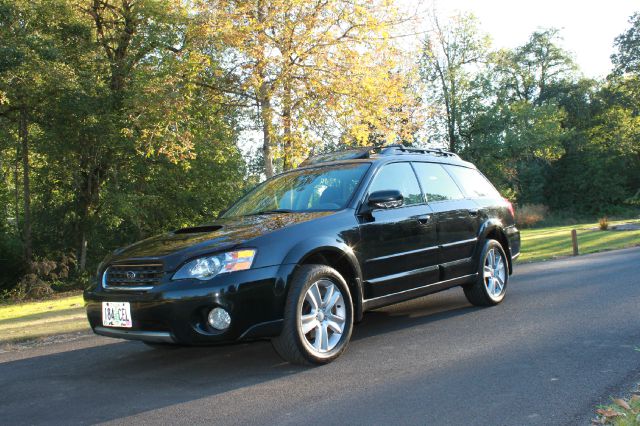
634 200
528 215
42 276
12 264
603 222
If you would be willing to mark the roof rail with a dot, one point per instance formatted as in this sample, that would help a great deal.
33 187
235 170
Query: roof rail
401 149
367 151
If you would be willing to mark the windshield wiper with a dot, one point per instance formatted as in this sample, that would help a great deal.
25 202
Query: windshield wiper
274 211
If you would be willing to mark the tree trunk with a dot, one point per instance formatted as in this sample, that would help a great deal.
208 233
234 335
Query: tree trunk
87 196
266 114
286 122
16 189
453 118
452 138
23 132
82 264
264 103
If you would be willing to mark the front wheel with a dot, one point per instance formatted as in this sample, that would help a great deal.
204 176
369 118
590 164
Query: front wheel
493 275
318 317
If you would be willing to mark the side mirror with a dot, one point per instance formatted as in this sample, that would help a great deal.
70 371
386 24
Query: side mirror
386 199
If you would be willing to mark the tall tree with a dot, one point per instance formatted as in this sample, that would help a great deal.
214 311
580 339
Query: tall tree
515 114
303 63
627 44
137 40
526 72
31 66
451 53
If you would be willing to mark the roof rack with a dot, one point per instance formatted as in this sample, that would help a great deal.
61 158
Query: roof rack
367 151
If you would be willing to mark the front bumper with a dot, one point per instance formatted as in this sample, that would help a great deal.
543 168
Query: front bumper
147 336
176 311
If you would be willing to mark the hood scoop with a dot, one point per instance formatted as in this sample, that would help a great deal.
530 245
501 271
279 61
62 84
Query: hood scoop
198 229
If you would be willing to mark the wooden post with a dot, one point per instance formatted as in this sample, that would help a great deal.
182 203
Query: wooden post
574 241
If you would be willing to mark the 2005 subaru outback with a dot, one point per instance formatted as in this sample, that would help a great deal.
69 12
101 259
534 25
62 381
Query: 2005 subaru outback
303 255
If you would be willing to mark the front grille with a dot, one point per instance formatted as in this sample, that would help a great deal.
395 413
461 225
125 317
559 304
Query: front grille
133 277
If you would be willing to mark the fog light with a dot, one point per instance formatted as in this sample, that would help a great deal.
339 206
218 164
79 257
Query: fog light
219 319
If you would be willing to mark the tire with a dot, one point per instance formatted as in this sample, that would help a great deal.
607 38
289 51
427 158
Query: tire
491 285
321 319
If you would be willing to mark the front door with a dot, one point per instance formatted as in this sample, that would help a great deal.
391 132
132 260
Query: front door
398 245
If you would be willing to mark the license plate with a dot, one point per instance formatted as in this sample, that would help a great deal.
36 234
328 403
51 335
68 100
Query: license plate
116 314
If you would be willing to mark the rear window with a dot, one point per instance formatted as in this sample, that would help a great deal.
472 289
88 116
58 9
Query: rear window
436 183
473 183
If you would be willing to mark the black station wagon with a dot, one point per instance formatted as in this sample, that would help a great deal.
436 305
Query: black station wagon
302 256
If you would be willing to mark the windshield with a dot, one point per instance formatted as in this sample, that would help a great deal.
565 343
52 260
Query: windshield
320 188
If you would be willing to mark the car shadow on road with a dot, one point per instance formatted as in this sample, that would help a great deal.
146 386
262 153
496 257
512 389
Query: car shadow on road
421 311
120 379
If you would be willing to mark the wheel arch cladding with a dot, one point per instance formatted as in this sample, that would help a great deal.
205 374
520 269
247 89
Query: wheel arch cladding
340 257
494 231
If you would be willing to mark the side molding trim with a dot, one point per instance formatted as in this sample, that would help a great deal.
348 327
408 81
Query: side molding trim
400 296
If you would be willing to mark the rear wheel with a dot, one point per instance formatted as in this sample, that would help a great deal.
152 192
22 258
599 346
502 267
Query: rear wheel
318 317
493 275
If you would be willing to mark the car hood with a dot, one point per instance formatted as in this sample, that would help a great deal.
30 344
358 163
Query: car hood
176 246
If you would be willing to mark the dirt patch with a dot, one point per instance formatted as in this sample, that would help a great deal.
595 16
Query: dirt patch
622 227
43 341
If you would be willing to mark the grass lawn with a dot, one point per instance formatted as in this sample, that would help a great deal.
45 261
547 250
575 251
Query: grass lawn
31 320
549 243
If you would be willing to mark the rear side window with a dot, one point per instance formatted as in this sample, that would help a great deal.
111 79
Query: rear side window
474 184
398 176
436 183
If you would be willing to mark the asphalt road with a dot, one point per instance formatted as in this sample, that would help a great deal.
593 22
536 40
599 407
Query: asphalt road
566 338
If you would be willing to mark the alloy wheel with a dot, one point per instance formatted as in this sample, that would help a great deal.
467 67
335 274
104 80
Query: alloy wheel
323 317
495 273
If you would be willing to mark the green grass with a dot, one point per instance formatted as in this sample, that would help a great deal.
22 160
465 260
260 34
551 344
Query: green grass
548 243
32 320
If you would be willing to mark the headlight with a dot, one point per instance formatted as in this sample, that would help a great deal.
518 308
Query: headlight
205 268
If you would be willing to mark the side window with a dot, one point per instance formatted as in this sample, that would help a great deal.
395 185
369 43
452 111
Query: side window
474 184
436 183
398 176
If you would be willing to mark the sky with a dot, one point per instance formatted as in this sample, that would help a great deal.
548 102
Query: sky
588 27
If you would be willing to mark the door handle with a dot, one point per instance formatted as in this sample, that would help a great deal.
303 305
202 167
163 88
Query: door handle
424 219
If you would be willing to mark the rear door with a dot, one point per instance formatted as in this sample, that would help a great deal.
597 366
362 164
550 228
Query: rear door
478 190
398 245
456 218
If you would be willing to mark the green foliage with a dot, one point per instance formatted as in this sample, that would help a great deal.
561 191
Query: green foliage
450 54
538 131
526 72
122 145
627 57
